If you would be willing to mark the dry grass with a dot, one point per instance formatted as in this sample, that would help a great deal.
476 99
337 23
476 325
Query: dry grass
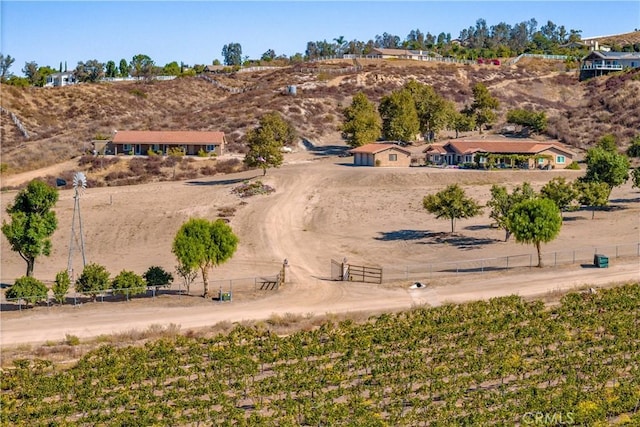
62 121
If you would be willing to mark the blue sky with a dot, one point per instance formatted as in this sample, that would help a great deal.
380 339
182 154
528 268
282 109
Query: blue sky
195 32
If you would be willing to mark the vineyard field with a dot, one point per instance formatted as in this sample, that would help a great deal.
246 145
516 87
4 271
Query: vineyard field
505 361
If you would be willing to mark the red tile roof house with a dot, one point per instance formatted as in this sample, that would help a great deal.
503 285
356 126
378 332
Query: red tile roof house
139 142
381 155
525 153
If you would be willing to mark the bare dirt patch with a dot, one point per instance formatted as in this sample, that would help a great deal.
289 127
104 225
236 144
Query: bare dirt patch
322 208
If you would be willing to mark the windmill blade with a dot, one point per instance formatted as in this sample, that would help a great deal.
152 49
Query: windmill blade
79 182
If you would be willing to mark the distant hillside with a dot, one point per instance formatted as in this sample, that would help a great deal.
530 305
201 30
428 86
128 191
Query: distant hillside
626 39
62 121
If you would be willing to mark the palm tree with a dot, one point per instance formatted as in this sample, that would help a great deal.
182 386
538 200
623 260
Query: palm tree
341 42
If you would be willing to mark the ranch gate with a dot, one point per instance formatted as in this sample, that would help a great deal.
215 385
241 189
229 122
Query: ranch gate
355 273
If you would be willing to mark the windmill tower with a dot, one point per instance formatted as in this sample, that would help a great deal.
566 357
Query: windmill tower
77 240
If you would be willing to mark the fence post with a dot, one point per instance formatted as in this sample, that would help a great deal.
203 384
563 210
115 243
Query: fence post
482 266
406 272
530 260
616 251
574 257
555 259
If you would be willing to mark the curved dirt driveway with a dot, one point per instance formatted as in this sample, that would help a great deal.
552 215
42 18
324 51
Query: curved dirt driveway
322 209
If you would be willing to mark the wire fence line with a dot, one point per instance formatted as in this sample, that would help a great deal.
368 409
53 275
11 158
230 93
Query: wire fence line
440 269
222 290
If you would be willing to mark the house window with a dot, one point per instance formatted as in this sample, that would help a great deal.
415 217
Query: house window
540 161
436 157
482 160
211 147
126 147
393 157
560 159
468 159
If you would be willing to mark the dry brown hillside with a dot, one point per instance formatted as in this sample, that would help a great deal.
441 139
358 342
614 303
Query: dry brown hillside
61 121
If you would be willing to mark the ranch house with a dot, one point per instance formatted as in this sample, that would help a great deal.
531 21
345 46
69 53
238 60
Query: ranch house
598 63
381 155
140 142
526 154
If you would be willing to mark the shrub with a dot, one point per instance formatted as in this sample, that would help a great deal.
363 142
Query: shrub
61 286
29 289
72 340
202 153
248 189
93 280
573 166
158 277
128 283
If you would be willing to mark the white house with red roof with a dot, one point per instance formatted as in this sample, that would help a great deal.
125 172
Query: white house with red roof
191 142
526 153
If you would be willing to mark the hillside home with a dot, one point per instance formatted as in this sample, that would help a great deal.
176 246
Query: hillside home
388 155
527 154
60 79
139 142
416 55
598 63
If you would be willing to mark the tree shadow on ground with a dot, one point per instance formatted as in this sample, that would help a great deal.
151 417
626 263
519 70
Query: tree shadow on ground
478 227
324 150
427 237
460 241
388 236
633 200
223 181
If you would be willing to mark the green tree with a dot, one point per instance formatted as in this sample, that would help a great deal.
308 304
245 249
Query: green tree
111 69
204 244
461 122
399 116
171 69
93 280
91 71
483 106
608 143
536 122
61 286
592 194
362 123
29 289
634 147
30 71
561 192
5 63
608 167
433 110
123 68
32 222
502 202
266 141
158 277
535 221
187 273
142 67
268 56
451 203
232 54
128 283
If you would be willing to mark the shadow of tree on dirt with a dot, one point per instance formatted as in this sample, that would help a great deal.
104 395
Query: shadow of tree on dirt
324 150
223 181
388 236
427 237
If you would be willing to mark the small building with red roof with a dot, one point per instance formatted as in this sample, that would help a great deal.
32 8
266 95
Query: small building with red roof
386 155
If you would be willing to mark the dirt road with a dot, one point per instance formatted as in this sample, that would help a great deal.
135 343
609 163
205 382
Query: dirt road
323 208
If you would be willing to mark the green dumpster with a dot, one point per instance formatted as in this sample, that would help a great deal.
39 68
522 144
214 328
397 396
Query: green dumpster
225 296
600 261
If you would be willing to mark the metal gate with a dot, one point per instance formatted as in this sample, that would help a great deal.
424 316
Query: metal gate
355 273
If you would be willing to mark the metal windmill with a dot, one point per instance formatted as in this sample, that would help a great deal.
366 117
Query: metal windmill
79 185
